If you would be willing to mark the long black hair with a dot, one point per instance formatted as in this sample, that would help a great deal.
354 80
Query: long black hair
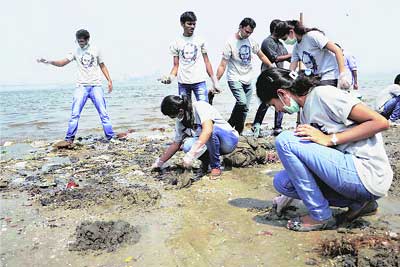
171 105
272 79
300 29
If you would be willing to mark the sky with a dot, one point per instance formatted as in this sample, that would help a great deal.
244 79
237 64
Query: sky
134 36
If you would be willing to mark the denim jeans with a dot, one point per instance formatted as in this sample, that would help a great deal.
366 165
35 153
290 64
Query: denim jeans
221 142
81 94
199 90
262 110
242 93
391 109
318 175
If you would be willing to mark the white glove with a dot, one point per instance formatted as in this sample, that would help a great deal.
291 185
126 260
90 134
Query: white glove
343 83
159 164
280 203
42 60
195 152
166 79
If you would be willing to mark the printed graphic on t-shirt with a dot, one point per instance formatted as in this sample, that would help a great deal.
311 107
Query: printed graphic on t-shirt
87 60
189 53
245 54
309 61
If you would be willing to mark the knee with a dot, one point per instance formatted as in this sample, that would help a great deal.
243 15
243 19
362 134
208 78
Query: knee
282 139
280 180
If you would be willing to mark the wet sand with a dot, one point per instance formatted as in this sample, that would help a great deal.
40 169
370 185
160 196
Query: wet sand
205 223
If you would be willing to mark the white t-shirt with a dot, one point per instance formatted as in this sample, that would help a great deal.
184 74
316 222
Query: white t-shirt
88 61
190 51
239 54
388 93
315 57
328 108
202 112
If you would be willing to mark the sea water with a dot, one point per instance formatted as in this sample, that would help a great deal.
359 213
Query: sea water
41 112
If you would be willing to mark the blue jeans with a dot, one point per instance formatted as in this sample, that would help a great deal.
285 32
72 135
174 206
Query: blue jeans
391 109
81 94
262 110
199 90
242 93
318 175
221 142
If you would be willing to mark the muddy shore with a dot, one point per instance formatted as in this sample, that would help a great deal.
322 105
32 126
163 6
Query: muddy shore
99 204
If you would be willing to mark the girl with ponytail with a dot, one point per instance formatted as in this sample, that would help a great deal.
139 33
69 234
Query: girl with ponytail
320 55
199 127
335 157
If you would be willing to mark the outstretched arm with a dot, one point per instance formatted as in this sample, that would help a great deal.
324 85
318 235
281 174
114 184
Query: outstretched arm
57 63
107 75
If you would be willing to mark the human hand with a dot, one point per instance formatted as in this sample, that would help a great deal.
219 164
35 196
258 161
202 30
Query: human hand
195 152
310 133
343 83
110 87
355 86
157 165
166 79
216 88
42 60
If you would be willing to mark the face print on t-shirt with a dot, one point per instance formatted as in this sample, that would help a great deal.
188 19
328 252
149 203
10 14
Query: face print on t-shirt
87 60
245 54
189 53
309 61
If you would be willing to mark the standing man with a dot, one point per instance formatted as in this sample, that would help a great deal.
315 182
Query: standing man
237 55
88 59
186 51
276 52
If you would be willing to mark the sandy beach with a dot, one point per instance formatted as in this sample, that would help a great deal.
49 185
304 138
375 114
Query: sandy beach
99 204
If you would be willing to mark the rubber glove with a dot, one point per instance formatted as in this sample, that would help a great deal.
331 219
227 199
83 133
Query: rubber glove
343 83
195 152
280 203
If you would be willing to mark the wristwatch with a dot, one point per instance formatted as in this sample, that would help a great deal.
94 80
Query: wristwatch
334 139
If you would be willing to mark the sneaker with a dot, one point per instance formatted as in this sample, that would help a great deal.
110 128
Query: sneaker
215 173
277 131
256 129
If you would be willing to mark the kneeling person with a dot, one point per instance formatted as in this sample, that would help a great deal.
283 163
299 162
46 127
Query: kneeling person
198 128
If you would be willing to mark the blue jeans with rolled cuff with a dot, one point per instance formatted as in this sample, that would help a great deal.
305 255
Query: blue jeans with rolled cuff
318 175
391 109
199 89
81 94
221 142
242 93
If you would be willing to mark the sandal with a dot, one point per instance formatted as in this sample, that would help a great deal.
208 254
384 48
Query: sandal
296 224
215 174
367 208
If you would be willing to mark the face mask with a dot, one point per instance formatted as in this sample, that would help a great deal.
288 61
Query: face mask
181 116
289 41
293 108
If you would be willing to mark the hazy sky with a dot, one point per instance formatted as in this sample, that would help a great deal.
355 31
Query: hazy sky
134 36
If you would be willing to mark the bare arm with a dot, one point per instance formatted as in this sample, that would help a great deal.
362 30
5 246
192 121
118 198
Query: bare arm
107 75
293 65
355 85
338 54
171 150
283 58
264 58
174 70
206 131
57 63
221 68
209 68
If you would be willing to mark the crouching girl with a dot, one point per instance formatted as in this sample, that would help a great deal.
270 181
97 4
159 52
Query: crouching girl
198 128
335 157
